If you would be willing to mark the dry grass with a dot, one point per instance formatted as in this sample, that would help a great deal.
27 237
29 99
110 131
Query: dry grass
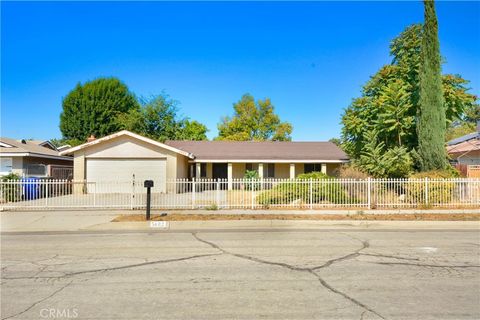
385 217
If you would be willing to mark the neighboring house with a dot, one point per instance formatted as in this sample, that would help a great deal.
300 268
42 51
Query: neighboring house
466 149
126 156
32 158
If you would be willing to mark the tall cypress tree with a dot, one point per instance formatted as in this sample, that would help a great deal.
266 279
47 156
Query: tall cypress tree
431 114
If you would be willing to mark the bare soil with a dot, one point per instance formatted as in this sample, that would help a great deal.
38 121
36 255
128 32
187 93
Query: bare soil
386 217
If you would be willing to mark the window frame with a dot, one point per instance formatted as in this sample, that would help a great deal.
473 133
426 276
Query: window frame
316 167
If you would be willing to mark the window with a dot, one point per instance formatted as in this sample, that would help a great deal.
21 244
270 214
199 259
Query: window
36 170
269 170
203 170
311 167
6 165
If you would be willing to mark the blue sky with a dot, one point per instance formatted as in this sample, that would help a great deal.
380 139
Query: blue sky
310 58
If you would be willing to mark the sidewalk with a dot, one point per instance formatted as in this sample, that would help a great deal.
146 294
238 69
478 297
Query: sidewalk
101 221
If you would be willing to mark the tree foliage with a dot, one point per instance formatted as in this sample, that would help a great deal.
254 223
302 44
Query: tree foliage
431 112
254 121
380 162
389 102
94 108
158 118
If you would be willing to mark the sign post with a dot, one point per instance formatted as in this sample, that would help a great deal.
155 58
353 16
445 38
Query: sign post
148 184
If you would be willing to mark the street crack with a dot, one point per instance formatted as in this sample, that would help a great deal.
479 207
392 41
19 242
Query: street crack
141 264
36 276
389 257
302 269
39 301
428 265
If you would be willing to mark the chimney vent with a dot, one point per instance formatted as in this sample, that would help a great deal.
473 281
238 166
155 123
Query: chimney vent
91 138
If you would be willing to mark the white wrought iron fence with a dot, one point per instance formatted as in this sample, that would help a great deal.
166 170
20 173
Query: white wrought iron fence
332 193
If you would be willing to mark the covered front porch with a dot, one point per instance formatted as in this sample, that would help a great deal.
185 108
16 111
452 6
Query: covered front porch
275 170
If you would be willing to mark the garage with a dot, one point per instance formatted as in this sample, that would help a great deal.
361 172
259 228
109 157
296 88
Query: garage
123 171
111 164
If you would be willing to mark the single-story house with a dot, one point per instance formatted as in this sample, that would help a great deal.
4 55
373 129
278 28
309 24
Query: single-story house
465 150
33 158
126 156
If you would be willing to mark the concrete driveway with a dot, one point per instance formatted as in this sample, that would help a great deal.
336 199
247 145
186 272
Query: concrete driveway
295 274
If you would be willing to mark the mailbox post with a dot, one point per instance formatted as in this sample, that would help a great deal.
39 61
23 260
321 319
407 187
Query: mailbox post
149 185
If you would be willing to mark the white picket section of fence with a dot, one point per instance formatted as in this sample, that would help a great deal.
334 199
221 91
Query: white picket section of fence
242 194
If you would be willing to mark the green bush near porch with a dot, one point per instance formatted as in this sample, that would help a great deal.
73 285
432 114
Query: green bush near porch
299 191
11 192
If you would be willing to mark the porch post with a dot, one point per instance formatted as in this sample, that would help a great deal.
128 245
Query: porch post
324 168
192 170
292 170
198 170
260 170
230 175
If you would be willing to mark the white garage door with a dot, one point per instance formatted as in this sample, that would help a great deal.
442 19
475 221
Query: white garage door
116 175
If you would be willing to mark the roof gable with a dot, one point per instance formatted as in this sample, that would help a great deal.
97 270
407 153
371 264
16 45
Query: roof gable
129 134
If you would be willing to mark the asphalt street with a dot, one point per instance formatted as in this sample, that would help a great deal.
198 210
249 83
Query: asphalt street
296 274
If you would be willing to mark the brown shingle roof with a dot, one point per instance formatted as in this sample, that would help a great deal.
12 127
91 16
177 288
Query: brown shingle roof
28 147
264 150
464 147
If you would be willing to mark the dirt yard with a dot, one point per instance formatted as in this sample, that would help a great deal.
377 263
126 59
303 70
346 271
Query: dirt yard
392 217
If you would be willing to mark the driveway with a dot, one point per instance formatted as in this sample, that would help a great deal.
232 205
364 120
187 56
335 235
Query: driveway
295 274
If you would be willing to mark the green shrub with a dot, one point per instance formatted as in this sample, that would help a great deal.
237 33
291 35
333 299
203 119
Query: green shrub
286 192
11 176
253 176
315 175
439 190
11 192
212 207
381 162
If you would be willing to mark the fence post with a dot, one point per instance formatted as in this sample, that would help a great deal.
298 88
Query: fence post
311 193
132 195
94 194
251 192
46 193
369 195
218 193
426 190
193 193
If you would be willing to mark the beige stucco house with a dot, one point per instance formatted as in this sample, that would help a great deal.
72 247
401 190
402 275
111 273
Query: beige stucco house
126 156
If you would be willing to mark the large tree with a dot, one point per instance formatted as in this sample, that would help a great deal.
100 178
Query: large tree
390 100
431 112
94 108
254 121
158 119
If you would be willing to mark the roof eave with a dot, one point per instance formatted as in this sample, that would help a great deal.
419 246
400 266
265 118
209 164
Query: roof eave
33 154
270 160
